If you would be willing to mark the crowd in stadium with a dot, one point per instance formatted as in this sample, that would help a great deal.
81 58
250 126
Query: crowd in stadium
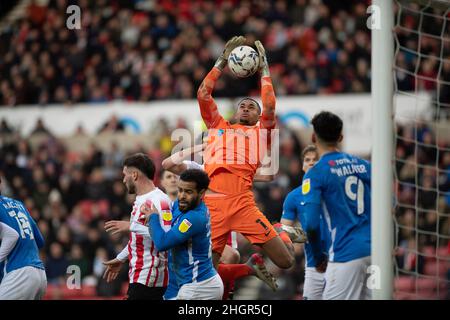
136 55
423 198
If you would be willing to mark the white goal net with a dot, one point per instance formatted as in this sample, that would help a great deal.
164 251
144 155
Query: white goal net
422 150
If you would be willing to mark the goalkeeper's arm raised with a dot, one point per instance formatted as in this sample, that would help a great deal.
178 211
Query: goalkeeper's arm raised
267 92
208 107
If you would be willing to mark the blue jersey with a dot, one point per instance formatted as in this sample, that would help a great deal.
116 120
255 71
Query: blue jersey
292 210
339 183
172 287
189 241
26 251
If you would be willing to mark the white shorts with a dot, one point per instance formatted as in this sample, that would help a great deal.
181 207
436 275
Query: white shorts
27 283
347 280
314 284
209 289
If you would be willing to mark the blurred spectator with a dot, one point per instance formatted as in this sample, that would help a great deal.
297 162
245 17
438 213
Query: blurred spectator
407 258
163 51
56 264
40 128
112 125
78 258
4 127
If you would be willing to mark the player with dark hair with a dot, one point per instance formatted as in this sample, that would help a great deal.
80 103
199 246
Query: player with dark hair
229 267
230 198
189 240
148 272
337 188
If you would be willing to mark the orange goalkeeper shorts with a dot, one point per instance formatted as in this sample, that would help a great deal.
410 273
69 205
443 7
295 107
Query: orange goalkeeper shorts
238 213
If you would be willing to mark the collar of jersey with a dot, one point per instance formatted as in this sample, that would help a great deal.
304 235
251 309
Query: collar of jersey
145 195
330 153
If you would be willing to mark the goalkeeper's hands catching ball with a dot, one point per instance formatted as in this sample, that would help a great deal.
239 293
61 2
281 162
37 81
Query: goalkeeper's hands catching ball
263 64
234 42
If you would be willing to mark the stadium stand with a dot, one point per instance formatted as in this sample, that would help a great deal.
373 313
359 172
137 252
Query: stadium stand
140 55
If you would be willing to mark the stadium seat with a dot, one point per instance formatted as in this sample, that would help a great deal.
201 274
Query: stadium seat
124 289
437 268
404 284
89 291
426 285
429 253
401 295
443 252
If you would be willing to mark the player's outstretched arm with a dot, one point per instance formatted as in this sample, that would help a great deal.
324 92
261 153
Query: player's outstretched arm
289 214
112 269
208 107
267 92
312 227
175 164
178 234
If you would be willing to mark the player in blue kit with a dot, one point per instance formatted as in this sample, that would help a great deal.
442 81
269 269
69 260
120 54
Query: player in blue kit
292 212
189 240
23 271
338 184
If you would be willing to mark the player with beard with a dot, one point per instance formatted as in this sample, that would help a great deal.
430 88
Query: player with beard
189 239
229 267
148 267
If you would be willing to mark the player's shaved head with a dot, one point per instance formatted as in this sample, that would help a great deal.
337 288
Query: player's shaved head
327 127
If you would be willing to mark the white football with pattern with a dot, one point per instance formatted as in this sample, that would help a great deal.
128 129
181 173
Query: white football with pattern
243 61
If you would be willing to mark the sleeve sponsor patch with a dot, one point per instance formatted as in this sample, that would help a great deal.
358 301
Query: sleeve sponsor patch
306 186
167 217
184 226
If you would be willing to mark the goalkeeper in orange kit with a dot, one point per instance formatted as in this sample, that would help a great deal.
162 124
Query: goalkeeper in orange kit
229 160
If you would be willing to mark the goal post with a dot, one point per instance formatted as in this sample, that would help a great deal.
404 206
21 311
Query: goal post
382 87
410 149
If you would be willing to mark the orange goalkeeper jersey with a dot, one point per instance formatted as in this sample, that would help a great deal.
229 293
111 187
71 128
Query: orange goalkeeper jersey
234 151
